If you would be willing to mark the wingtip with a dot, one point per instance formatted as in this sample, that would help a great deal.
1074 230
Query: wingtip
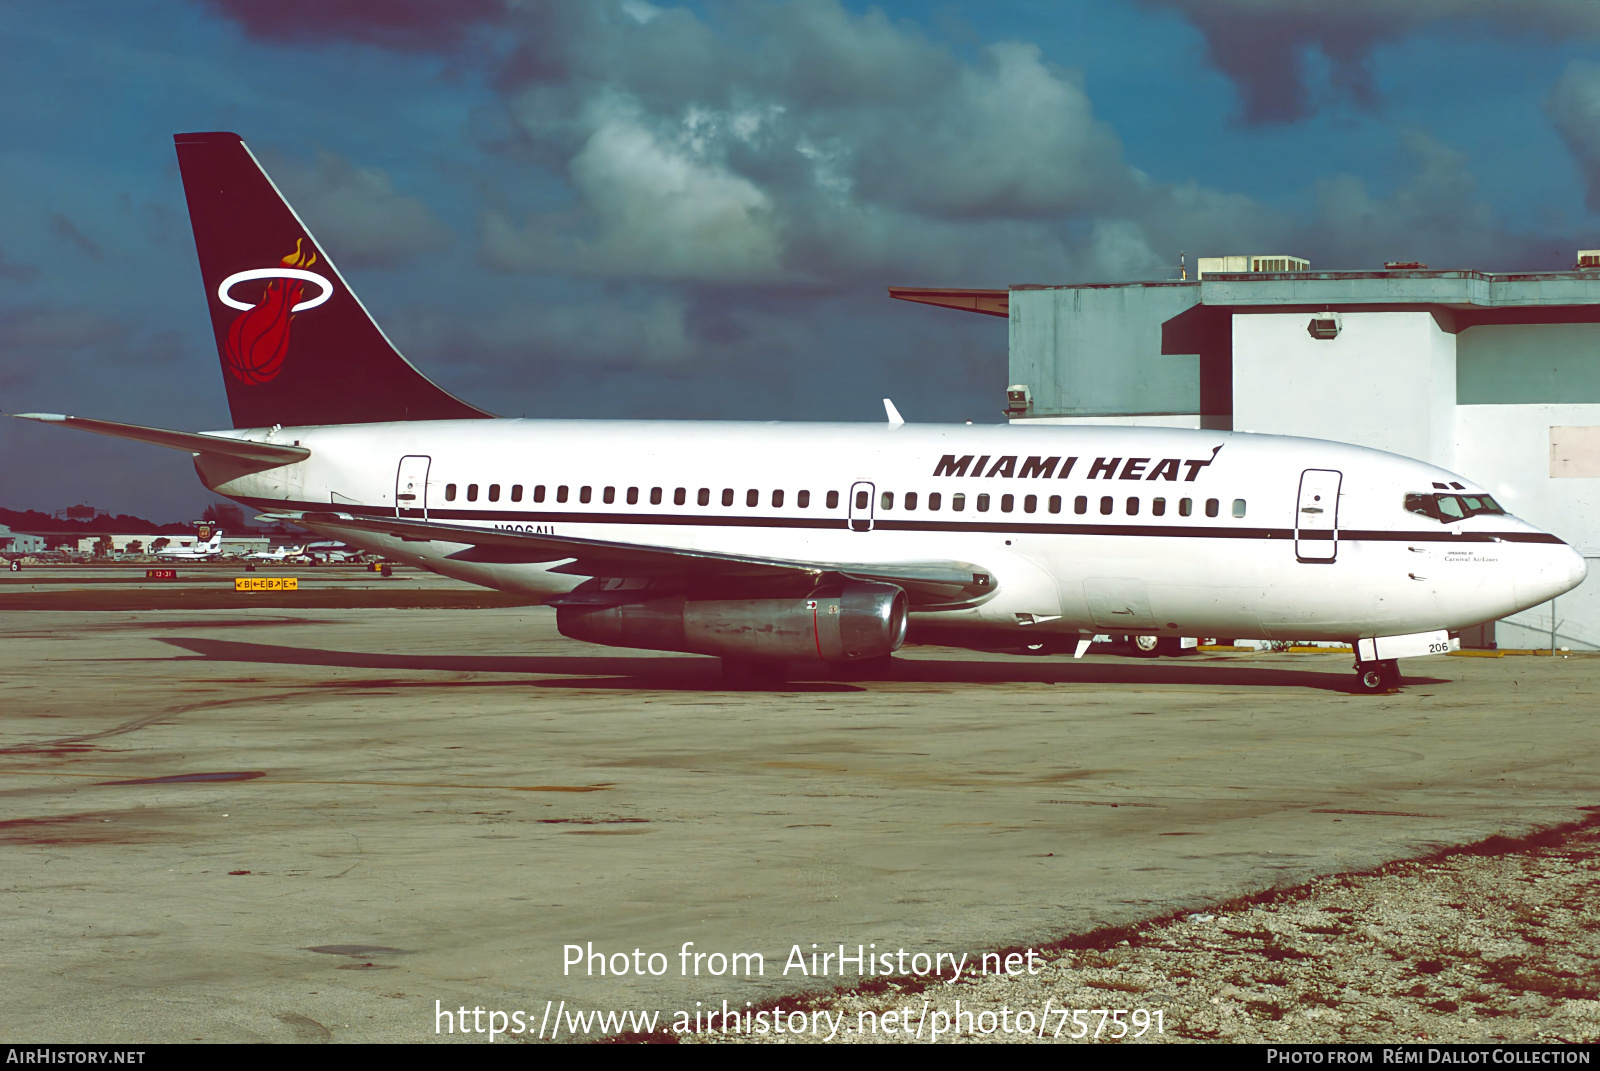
895 419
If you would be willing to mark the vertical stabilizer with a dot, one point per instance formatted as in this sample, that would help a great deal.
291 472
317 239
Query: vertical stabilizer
297 346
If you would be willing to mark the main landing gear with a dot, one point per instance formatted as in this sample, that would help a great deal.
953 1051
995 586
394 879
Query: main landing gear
1372 677
1156 646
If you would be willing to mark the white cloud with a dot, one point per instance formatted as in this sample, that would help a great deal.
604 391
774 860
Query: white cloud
357 214
1574 108
657 203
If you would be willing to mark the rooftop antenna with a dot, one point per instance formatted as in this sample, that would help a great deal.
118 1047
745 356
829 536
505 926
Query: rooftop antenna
1183 268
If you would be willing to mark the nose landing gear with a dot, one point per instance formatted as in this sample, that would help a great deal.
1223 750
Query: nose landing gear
1373 677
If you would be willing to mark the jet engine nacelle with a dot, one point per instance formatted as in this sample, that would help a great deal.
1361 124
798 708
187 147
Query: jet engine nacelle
837 623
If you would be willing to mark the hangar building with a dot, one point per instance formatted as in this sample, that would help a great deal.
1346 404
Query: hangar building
1496 376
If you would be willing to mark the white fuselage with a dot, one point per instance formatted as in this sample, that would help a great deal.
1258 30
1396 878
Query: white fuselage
282 554
200 552
1259 567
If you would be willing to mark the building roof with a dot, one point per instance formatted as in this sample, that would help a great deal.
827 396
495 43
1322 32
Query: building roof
1452 289
1477 296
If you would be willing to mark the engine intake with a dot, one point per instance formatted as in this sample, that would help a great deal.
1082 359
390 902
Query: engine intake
836 623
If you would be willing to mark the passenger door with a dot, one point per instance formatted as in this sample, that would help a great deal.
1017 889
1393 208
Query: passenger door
1316 518
411 487
861 494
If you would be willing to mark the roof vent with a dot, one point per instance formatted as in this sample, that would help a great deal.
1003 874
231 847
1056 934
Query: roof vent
1324 325
1404 265
1588 260
1019 399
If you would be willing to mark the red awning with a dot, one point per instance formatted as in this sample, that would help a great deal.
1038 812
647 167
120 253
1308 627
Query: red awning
988 302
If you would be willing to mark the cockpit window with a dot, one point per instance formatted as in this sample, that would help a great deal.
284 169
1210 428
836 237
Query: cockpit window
1448 508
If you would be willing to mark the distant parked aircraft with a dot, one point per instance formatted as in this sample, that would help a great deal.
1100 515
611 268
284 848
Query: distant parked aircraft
282 554
208 551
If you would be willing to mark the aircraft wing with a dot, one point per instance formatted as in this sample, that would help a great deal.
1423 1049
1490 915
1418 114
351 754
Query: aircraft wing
928 584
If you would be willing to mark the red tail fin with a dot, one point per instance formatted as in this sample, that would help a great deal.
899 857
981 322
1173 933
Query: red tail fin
297 346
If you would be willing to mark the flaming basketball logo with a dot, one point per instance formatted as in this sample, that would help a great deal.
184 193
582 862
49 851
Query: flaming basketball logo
258 341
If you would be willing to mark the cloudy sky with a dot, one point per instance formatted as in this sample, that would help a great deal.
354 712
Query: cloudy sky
625 209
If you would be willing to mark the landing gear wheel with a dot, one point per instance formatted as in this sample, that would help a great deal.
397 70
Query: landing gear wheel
1374 677
1146 646
754 674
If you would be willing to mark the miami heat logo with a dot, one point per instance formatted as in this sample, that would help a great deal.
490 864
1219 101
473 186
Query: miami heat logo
259 338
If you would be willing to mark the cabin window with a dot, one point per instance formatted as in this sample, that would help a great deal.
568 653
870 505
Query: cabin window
494 492
538 492
752 497
983 503
1158 507
633 496
704 497
861 500
1185 506
655 496
609 495
933 500
911 500
833 499
585 493
1006 502
1030 504
777 500
727 496
958 502
1080 504
561 493
680 496
803 499
516 492
886 500
1212 507
1055 503
449 492
1106 505
472 492
1133 507
1238 507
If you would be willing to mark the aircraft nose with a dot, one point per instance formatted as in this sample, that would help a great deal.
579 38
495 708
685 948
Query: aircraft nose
1553 570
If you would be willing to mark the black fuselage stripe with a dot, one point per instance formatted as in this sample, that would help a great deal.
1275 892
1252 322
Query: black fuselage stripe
1171 531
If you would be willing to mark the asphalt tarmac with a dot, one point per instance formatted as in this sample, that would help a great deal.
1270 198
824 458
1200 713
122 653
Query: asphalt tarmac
277 822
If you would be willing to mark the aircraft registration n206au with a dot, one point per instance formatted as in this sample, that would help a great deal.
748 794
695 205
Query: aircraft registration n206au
766 544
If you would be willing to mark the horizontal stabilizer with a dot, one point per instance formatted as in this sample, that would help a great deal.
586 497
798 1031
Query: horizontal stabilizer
194 442
928 584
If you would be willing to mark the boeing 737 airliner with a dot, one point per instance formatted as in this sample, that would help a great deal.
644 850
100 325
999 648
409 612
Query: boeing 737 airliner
765 544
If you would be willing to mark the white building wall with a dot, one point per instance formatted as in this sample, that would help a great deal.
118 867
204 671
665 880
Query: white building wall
19 542
1387 381
1506 448
120 541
